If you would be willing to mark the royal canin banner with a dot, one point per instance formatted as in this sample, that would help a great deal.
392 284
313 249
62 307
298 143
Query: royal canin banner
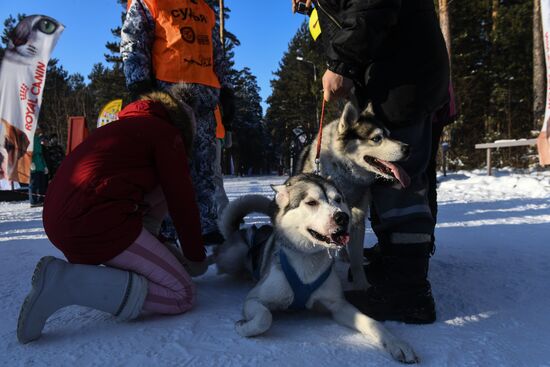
543 141
22 79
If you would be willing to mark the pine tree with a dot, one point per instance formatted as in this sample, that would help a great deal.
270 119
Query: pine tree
9 25
250 144
296 96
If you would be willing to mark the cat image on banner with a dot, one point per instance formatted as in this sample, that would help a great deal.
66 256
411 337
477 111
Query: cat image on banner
22 80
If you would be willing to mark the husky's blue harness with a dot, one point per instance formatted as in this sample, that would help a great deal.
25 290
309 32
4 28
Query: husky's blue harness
302 292
256 239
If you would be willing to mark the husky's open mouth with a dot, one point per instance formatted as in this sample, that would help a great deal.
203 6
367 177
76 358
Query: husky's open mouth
386 168
339 238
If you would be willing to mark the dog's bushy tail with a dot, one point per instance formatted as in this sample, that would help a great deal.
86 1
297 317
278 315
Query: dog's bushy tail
236 210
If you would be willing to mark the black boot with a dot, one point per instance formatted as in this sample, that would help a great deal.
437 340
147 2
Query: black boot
399 290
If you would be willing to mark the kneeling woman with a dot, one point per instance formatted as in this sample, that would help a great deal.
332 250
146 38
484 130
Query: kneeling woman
105 206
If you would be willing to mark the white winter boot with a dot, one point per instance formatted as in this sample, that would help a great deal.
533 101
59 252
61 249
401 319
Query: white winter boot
57 284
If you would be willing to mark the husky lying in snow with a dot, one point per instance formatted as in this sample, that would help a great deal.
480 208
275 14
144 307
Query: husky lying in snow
293 266
354 151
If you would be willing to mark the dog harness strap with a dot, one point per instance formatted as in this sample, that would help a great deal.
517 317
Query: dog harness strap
302 292
255 238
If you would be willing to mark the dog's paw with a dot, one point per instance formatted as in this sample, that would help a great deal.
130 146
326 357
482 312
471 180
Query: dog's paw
251 328
401 351
243 329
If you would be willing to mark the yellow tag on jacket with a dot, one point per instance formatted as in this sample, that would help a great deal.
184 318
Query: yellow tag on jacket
183 50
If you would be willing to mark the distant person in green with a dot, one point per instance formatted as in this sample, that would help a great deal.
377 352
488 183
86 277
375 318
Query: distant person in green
39 173
53 154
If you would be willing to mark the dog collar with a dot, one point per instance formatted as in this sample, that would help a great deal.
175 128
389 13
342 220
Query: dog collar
302 291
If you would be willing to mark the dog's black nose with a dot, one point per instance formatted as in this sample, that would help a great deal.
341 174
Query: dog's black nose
405 150
341 218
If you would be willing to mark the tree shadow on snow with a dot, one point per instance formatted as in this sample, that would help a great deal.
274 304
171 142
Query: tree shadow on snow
490 259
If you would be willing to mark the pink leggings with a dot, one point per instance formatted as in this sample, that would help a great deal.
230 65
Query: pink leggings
170 289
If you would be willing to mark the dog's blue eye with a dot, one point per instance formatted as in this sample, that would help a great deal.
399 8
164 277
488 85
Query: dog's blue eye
376 139
312 203
338 200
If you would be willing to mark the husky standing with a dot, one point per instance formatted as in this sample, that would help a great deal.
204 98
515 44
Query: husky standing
292 262
354 151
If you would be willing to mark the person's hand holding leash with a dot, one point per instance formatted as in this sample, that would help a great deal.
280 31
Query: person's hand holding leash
298 5
335 86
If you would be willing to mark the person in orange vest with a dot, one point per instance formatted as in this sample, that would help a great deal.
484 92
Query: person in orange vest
225 112
221 141
175 44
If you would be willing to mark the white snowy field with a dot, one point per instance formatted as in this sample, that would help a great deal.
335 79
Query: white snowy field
490 277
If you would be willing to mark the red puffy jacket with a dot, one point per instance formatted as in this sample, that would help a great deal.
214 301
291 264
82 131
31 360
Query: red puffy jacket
92 210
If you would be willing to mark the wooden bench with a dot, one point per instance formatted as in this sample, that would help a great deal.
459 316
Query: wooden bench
503 144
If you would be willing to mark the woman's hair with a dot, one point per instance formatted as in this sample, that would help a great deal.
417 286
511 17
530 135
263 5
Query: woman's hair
181 115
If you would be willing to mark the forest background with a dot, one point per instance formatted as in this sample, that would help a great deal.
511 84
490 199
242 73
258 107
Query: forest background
498 74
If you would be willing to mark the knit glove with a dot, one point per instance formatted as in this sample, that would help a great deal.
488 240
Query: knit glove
195 268
228 106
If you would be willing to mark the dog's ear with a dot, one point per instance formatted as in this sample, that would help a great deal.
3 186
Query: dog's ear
368 111
349 117
282 197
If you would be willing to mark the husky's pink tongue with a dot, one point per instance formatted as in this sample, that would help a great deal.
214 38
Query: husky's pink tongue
398 172
340 240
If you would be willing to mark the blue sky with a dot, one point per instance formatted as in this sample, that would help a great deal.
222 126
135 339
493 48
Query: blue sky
263 27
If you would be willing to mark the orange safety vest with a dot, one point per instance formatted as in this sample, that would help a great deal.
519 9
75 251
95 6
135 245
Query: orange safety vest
220 129
182 49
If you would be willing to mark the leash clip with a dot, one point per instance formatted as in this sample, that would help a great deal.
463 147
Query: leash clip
317 166
319 139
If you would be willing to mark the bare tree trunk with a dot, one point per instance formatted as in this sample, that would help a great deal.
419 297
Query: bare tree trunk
494 16
445 23
222 25
539 72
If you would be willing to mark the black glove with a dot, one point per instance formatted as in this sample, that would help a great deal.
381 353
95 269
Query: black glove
227 103
139 88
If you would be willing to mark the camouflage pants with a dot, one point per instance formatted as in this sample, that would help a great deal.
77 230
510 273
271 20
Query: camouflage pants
203 156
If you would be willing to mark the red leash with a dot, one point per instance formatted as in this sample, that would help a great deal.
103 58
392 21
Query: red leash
319 138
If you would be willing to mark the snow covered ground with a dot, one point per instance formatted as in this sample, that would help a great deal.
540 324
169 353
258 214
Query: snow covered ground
490 276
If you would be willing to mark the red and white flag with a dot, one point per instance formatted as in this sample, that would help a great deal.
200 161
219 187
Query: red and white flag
543 141
22 79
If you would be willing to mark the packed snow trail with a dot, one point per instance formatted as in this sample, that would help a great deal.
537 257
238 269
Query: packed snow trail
490 276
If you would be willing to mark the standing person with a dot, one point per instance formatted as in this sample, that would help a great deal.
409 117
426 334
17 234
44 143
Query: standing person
53 154
224 114
105 206
170 42
392 54
39 173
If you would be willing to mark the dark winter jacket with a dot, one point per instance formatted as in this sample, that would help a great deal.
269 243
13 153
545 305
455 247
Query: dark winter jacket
53 154
94 206
397 44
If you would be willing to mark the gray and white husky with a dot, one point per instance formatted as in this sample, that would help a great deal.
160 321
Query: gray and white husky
291 261
355 150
